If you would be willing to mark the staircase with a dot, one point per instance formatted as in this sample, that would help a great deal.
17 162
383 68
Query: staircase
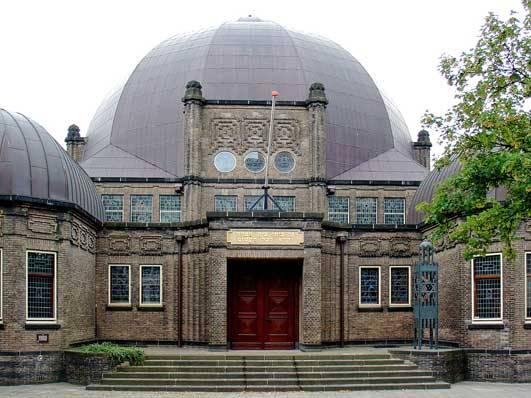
269 372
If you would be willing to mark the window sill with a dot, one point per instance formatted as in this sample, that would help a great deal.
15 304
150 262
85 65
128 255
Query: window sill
152 308
42 326
486 326
370 309
401 308
111 307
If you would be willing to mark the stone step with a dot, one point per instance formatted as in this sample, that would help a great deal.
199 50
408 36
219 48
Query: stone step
229 357
216 369
271 388
269 362
270 381
292 373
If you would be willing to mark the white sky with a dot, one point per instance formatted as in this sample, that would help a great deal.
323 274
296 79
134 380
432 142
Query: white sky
59 59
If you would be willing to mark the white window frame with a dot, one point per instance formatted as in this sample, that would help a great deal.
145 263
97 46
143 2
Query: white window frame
391 304
526 277
179 212
376 198
335 212
43 320
1 286
159 304
473 293
385 213
123 204
131 206
109 303
379 304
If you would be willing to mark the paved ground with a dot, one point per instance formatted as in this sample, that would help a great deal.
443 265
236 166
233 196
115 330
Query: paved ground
459 390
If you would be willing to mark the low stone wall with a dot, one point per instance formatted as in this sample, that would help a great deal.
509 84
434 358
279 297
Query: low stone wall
502 366
85 367
446 364
31 367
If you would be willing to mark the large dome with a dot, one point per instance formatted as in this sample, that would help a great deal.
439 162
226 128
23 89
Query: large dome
34 166
137 131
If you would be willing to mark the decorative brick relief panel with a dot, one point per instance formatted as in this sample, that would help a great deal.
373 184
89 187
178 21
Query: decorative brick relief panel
255 133
399 248
120 244
370 248
287 135
42 224
226 134
151 244
81 236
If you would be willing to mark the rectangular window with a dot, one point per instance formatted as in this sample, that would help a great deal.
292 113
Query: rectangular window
487 288
170 208
151 285
225 203
399 286
141 208
249 201
394 211
286 203
528 285
338 207
369 286
119 284
366 210
114 207
41 285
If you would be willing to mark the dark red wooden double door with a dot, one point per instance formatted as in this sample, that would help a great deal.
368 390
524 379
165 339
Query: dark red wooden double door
263 305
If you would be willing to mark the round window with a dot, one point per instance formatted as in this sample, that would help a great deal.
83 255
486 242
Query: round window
284 162
255 162
225 162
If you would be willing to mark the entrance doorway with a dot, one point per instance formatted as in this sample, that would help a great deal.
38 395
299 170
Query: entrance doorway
263 304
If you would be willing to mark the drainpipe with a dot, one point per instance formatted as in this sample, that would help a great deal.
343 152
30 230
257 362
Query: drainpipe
341 241
179 295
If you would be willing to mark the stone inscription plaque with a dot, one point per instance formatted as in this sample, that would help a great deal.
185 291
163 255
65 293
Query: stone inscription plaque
265 237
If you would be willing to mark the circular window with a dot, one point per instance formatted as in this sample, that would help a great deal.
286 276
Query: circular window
284 162
225 162
255 162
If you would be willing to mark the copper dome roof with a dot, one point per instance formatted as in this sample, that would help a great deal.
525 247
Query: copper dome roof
34 166
137 131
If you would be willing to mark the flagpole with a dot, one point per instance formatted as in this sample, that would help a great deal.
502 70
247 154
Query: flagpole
274 94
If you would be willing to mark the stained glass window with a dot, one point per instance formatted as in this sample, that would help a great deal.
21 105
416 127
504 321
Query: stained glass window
528 277
141 208
114 207
286 203
41 285
487 287
284 162
225 203
119 284
366 210
399 283
254 162
250 200
151 285
170 208
225 162
369 286
394 211
338 209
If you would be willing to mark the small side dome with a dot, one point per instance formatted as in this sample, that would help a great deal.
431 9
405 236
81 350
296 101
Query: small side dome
427 189
34 165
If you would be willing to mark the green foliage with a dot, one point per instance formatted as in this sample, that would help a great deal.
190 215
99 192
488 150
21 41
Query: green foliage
117 353
488 131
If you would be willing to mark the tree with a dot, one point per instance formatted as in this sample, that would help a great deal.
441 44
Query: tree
488 131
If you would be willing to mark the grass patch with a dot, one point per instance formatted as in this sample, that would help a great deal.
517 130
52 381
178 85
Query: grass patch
117 353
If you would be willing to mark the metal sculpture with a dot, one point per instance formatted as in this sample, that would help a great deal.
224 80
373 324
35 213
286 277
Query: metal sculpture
426 304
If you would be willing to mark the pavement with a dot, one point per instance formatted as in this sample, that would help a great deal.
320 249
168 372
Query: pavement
459 390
